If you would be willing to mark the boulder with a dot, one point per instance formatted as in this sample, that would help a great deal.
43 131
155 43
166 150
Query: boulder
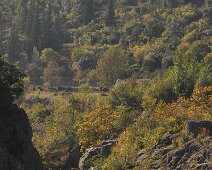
102 151
89 153
201 159
165 140
45 113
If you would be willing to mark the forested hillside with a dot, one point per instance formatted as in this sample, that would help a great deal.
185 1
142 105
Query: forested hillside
114 74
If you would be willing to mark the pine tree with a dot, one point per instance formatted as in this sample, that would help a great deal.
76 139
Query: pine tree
12 44
88 8
110 18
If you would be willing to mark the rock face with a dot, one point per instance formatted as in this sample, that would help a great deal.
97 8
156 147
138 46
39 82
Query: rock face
194 154
16 149
96 152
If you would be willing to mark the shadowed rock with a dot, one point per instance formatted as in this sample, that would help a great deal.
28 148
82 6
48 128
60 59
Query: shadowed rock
96 152
195 127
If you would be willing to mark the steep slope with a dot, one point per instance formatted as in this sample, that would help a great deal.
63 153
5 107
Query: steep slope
194 154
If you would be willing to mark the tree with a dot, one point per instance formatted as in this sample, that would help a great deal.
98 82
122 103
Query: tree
34 71
112 66
185 72
125 93
198 50
12 44
151 63
48 54
35 55
205 75
88 11
11 83
50 73
110 18
99 125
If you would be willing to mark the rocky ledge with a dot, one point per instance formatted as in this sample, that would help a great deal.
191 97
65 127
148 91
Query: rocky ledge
195 154
102 151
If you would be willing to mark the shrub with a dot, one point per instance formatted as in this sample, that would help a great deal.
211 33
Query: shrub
85 88
126 93
112 66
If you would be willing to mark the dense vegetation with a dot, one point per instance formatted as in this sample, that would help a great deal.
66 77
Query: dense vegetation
11 82
105 69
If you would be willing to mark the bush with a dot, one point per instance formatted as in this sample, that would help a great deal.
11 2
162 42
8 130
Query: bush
85 88
49 54
112 66
126 93
161 88
54 129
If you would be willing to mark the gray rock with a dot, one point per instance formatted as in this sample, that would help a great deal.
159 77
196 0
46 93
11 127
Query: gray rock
90 153
165 140
45 113
96 152
179 156
195 154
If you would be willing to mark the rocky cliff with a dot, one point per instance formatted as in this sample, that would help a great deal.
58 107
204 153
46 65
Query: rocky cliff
194 154
16 149
179 151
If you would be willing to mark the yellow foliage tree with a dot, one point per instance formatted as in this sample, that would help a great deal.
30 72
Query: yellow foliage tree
99 125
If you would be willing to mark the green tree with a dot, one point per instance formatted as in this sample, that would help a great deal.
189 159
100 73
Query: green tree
198 50
50 73
13 41
205 75
112 66
48 54
88 11
185 73
126 93
99 125
11 82
110 18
